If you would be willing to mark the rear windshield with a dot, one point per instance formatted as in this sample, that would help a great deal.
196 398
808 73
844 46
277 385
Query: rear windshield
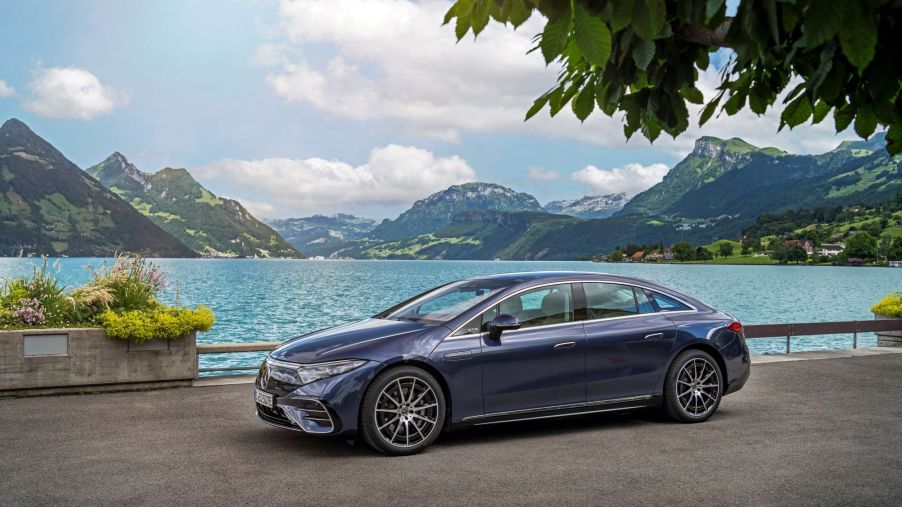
449 301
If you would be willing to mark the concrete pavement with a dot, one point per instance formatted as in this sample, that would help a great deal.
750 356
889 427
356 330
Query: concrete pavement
811 432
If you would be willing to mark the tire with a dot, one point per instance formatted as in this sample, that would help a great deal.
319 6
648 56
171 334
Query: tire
390 421
689 394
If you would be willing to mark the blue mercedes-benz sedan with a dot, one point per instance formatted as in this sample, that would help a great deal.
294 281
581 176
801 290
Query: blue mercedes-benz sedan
505 348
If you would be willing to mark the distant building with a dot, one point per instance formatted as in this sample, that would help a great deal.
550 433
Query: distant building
830 249
636 257
894 264
855 261
655 256
806 245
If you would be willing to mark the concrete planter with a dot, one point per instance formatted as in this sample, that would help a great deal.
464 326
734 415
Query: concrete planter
888 338
45 361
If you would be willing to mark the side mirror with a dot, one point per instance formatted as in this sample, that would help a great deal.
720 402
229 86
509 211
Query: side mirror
503 322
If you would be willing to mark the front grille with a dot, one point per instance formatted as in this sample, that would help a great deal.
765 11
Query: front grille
273 415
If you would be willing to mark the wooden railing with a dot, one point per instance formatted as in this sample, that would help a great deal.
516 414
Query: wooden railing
753 331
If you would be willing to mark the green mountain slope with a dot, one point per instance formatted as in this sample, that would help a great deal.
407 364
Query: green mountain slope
734 178
436 211
473 234
319 234
176 202
50 206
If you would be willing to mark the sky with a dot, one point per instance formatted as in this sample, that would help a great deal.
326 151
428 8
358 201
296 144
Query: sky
296 107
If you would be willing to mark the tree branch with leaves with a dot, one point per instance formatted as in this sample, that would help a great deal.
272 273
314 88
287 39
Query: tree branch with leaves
643 58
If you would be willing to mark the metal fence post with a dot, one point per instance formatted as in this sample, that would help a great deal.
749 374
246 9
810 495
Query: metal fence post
787 343
855 340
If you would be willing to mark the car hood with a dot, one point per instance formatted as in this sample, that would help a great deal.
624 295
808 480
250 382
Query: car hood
372 339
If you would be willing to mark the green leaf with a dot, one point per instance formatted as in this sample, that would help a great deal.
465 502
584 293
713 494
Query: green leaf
584 103
770 7
823 20
592 36
480 15
622 15
843 116
649 17
894 139
462 26
796 112
537 105
708 111
519 13
858 36
735 102
692 94
820 111
865 122
703 60
643 53
757 103
712 7
554 38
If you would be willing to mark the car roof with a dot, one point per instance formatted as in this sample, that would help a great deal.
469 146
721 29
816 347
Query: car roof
528 276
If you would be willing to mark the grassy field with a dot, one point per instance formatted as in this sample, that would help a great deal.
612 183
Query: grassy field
738 259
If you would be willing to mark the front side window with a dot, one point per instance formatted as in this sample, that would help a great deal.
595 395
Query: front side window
541 307
606 300
445 303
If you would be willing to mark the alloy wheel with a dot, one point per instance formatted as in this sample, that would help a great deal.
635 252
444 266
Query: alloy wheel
406 412
698 387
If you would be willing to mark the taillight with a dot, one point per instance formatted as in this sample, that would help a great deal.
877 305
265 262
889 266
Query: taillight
735 327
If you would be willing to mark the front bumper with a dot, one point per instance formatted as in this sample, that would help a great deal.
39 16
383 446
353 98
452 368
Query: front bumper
300 414
326 407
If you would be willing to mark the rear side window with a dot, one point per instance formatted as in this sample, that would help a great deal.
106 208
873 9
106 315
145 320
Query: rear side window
606 300
667 303
645 304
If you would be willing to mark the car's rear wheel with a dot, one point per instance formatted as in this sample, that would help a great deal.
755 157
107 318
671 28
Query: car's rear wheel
402 411
693 387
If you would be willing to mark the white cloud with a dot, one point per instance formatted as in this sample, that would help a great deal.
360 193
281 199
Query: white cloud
391 59
393 175
6 90
631 178
70 92
539 174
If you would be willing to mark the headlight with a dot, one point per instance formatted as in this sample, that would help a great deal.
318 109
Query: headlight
302 374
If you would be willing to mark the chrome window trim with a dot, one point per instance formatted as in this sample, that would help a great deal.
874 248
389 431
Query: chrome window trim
692 309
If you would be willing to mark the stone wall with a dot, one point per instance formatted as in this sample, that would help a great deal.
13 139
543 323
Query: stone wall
888 338
57 360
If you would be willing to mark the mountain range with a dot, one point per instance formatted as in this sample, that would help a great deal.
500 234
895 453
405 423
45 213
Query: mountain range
590 206
50 206
181 206
319 234
716 191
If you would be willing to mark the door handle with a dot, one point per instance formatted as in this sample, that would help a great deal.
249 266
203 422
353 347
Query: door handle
565 345
654 336
458 356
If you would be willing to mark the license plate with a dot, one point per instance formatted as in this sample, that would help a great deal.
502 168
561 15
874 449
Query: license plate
263 398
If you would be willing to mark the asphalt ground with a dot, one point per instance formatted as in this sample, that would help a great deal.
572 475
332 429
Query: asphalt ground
825 432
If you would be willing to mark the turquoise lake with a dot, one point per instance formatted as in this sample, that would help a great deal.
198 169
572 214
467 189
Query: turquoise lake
273 300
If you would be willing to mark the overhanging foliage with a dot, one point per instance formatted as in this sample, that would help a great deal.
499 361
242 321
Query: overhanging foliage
643 58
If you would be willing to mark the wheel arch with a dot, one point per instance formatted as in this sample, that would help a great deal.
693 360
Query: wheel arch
432 370
710 349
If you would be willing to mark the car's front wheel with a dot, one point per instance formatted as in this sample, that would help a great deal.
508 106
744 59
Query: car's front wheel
402 411
693 387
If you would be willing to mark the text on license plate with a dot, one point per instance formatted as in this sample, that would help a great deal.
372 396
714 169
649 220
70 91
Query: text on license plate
263 398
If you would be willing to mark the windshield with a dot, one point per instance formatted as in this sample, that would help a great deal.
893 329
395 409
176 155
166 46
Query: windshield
449 301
